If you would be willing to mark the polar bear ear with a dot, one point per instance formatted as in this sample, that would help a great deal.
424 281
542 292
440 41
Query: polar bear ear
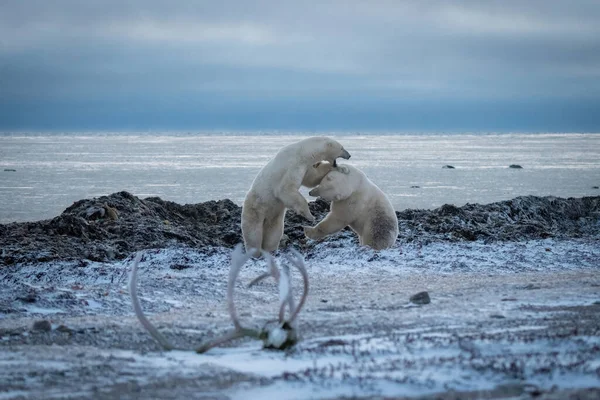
316 165
337 197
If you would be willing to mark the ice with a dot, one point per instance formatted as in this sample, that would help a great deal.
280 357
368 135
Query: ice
54 171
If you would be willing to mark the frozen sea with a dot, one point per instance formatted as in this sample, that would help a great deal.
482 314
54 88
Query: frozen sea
53 171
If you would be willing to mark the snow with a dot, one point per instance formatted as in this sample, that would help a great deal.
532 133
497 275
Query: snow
360 337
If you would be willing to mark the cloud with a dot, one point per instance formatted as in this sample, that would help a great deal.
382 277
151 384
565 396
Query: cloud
71 52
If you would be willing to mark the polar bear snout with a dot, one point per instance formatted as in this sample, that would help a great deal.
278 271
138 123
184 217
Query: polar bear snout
314 192
345 155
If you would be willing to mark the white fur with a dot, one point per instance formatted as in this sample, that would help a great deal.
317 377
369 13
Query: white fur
356 202
316 173
275 189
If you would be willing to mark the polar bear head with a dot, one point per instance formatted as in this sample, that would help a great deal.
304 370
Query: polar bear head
320 148
339 184
314 175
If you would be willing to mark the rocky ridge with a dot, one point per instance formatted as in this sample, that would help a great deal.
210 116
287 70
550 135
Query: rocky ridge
89 230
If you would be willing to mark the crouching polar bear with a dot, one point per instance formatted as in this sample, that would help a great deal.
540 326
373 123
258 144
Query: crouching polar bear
275 189
356 202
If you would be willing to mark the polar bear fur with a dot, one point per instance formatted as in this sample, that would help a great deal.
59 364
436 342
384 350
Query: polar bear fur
275 189
356 202
315 174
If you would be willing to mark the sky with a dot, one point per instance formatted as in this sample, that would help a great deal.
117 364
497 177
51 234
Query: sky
449 66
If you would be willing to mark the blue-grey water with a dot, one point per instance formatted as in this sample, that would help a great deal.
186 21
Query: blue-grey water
53 171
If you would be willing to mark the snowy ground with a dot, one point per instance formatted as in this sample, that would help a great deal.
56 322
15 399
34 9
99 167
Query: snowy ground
506 320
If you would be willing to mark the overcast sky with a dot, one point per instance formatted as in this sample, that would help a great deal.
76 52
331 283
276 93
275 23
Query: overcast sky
300 65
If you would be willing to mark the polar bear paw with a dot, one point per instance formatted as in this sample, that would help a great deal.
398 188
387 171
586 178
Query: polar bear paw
306 214
311 233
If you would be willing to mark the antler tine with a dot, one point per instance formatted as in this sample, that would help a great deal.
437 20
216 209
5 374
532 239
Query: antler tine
298 262
291 301
235 334
259 278
286 294
137 307
238 258
273 271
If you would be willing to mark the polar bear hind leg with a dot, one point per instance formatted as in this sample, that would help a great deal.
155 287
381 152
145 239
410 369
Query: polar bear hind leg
382 233
273 231
252 230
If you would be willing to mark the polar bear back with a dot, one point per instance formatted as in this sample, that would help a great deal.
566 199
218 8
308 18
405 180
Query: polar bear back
287 169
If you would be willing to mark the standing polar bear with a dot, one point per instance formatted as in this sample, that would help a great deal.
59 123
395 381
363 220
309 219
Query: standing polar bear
275 189
356 202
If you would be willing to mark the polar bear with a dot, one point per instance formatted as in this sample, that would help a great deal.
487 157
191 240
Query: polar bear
275 189
356 202
315 174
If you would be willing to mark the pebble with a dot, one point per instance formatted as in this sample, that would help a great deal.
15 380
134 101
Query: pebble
42 325
420 298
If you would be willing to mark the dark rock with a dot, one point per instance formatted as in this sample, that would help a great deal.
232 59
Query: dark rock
420 298
30 297
515 166
180 267
9 170
522 218
82 232
94 213
448 167
530 286
497 316
5 309
64 329
466 234
449 209
333 342
42 326
415 187
85 230
595 187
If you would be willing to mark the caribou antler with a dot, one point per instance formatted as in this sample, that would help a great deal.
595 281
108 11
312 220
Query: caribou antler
238 259
282 336
297 261
137 307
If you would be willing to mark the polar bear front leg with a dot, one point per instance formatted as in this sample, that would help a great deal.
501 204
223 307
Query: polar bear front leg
331 224
292 199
